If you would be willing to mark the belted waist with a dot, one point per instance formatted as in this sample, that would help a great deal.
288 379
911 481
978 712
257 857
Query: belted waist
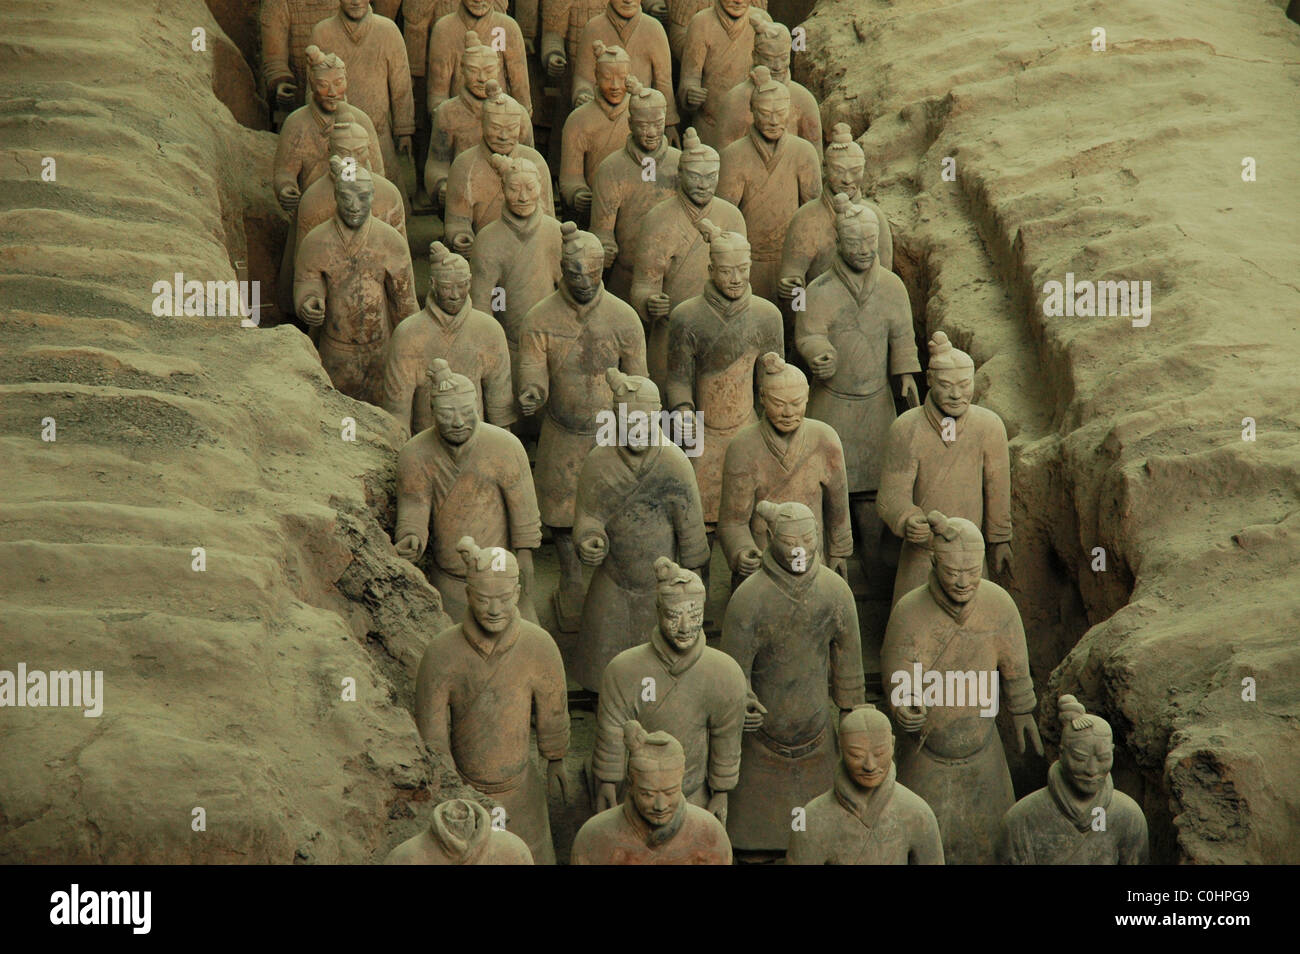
792 751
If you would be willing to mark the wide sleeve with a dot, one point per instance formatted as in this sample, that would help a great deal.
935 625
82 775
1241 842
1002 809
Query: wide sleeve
613 708
573 148
897 479
739 640
810 174
797 255
414 493
726 724
498 396
848 684
588 517
632 352
835 498
997 483
308 277
458 215
606 198
1013 659
584 67
516 68
903 358
433 702
442 62
485 272
551 702
737 505
731 174
688 518
805 849
533 370
812 325
521 498
897 653
441 153
399 281
694 50
927 844
402 367
648 269
661 66
287 165
400 95
275 45
680 384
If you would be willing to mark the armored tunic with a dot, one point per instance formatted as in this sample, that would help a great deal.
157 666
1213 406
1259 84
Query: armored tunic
593 131
646 43
474 196
713 345
620 836
805 115
810 242
1051 827
621 199
447 45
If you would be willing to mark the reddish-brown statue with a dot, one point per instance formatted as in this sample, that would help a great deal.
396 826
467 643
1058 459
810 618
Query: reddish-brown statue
482 683
461 833
715 55
621 23
353 278
655 825
596 128
951 649
679 14
493 27
448 327
636 502
562 24
947 455
286 29
867 818
464 477
793 628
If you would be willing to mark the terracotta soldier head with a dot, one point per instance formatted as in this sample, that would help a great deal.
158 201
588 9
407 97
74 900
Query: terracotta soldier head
783 389
448 278
697 169
455 403
354 10
638 398
729 259
612 68
328 79
769 104
582 262
349 141
656 765
647 115
771 44
866 745
951 376
734 8
500 120
521 184
491 585
679 598
843 163
795 541
477 8
1087 747
479 65
957 555
354 192
625 9
857 233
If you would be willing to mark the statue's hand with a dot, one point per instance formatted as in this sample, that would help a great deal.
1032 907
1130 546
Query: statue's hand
582 201
673 136
1027 725
718 806
593 549
785 286
1000 558
917 529
754 712
582 97
442 194
658 306
840 566
750 559
289 197
404 147
312 311
823 365
408 548
688 425
908 391
656 8
556 63
910 718
556 779
695 96
462 242
285 93
611 253
606 796
530 399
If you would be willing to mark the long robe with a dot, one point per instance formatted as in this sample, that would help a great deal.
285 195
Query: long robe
379 77
699 699
621 199
969 478
440 844
286 31
593 131
418 18
447 46
768 182
564 352
646 43
810 242
474 195
457 126
482 488
793 634
808 469
867 319
620 836
365 279
646 506
735 118
675 264
956 762
680 14
475 695
470 341
713 345
522 258
1051 827
887 825
716 54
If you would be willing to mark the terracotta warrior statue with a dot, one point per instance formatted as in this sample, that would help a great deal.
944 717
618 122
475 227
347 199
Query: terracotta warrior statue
793 628
867 817
621 23
596 128
810 242
353 277
516 258
474 196
679 14
946 455
621 192
570 339
464 477
458 121
675 266
1079 818
286 28
562 24
480 685
772 51
768 174
783 456
714 343
715 56
656 824
856 336
461 833
373 47
447 45
695 693
637 501
448 327
962 639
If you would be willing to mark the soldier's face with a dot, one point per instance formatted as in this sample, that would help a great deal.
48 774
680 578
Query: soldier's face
785 405
451 293
626 8
867 756
456 416
1087 758
354 9
328 89
729 272
648 131
494 602
735 8
959 573
681 621
611 80
656 793
857 247
795 547
770 117
777 63
477 8
844 175
354 200
582 276
698 184
953 389
476 75
501 133
522 194
642 421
